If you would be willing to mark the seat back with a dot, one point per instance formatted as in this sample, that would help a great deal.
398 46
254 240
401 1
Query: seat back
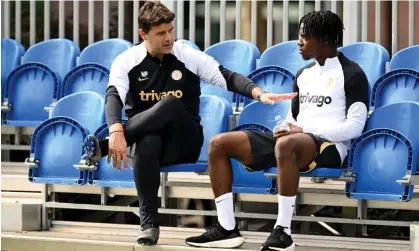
87 108
402 117
273 79
236 55
371 57
285 55
214 113
104 52
395 86
263 114
407 58
58 54
190 43
11 52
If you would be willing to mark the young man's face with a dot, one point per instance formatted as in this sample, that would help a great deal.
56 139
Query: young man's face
159 38
309 46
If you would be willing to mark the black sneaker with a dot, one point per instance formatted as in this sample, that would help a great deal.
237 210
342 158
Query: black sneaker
217 237
279 241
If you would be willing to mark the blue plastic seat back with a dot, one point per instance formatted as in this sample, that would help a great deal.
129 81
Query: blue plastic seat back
263 114
386 153
371 57
106 175
273 79
104 52
235 55
395 86
214 113
402 117
86 77
58 54
407 58
190 43
11 52
87 108
57 146
285 55
29 91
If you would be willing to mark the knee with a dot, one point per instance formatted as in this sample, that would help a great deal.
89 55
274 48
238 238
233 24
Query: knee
284 147
171 102
217 145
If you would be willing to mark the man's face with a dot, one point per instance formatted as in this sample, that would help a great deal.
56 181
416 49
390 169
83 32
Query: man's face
309 46
159 38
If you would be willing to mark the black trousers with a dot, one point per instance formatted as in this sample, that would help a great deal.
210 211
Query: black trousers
164 134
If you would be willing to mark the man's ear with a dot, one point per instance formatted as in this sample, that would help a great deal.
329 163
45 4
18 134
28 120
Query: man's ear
142 34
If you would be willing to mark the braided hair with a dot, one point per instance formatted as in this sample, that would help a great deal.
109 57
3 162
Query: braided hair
325 26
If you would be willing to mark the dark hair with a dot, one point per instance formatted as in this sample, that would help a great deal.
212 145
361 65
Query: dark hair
323 25
154 13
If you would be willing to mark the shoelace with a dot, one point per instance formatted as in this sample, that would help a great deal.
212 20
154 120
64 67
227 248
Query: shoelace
278 231
211 230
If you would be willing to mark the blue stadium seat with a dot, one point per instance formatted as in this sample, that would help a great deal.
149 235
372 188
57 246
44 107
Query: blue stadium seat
260 117
236 55
55 148
56 142
44 66
395 86
407 58
371 57
87 108
11 52
386 153
190 43
285 55
271 78
105 175
214 114
92 73
104 52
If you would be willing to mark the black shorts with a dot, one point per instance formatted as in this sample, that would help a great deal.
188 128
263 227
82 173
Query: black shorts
263 150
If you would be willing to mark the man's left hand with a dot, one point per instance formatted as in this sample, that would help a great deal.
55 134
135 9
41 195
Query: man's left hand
292 129
272 98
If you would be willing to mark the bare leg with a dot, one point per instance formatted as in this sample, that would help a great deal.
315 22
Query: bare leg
293 153
223 147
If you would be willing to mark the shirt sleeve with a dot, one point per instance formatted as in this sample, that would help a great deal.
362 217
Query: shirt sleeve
295 105
356 92
117 90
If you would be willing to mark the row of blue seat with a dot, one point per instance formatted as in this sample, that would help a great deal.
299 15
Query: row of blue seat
51 65
389 147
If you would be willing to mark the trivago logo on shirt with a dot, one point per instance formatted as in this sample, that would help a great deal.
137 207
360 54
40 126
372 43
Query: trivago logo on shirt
156 96
315 99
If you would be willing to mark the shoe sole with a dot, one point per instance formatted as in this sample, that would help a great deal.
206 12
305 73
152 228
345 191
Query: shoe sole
146 242
230 243
290 248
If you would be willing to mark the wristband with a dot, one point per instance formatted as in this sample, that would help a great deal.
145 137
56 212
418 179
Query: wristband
115 131
260 94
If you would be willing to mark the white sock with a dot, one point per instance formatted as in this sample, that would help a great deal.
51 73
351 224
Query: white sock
225 211
285 211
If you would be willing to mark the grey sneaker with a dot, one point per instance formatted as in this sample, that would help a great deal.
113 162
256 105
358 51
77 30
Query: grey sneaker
149 235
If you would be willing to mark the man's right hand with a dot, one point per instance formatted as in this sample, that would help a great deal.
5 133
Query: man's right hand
117 146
